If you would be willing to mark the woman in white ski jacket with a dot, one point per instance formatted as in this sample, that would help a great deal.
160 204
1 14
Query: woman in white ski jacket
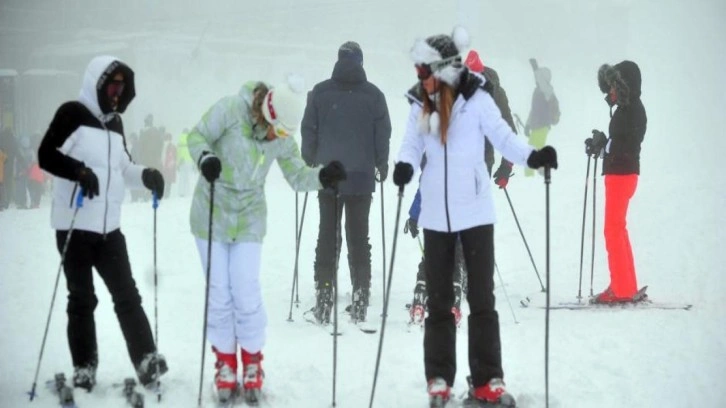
85 150
457 114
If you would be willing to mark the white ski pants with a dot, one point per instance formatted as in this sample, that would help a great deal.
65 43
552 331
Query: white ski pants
236 312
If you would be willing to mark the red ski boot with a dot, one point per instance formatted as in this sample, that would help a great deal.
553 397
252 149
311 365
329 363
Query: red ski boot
225 379
439 392
252 377
494 392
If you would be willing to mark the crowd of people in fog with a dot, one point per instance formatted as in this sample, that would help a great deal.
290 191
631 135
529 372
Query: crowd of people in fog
459 114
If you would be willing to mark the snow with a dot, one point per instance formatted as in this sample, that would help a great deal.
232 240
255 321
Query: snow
610 358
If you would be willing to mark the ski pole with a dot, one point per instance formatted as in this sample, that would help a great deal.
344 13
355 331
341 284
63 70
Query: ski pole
383 243
299 240
582 235
594 220
335 293
206 291
505 293
79 204
298 236
523 238
155 205
547 274
387 295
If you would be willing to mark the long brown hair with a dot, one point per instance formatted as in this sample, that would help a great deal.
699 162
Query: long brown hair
258 95
446 103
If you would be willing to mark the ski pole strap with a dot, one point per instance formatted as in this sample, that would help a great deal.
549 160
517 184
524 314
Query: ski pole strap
155 200
79 199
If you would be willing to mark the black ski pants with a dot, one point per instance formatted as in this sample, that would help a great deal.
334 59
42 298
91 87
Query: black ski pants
109 256
357 209
485 357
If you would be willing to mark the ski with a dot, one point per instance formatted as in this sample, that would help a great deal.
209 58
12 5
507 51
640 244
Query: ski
133 397
225 398
308 316
504 401
62 391
646 304
253 397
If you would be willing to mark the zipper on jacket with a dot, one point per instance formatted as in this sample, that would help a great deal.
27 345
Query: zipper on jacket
260 162
108 180
446 186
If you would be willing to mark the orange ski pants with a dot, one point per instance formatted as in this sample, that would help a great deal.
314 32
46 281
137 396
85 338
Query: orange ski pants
619 189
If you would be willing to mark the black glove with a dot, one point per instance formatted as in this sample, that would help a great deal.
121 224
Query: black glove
599 140
332 174
382 173
402 174
411 226
211 167
503 173
544 157
88 181
154 181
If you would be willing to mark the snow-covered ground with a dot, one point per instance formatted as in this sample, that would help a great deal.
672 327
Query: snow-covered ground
610 358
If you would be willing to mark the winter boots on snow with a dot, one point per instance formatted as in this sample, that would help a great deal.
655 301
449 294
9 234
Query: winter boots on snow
359 305
493 393
85 377
608 297
323 302
225 376
252 376
439 392
152 366
420 296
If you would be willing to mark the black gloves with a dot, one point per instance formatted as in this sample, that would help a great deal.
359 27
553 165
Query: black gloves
544 157
411 226
154 181
501 176
402 174
88 181
595 144
210 167
382 173
332 174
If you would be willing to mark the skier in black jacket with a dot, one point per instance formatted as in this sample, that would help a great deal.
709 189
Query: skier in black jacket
621 167
346 119
84 149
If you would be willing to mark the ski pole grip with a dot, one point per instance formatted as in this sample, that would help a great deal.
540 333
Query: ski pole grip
79 198
155 200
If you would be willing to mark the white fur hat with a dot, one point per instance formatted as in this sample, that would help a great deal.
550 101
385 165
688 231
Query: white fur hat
284 105
442 53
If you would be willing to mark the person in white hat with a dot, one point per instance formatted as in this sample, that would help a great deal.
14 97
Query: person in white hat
234 145
455 117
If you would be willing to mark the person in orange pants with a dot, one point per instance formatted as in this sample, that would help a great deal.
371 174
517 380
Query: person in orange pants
621 167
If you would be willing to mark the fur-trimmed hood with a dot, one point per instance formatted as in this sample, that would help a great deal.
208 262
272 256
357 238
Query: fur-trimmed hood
624 77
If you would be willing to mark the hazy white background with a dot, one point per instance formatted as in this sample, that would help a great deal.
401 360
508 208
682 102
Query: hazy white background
187 55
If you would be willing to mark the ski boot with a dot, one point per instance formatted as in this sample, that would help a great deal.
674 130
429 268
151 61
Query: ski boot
456 309
360 304
225 378
418 306
323 303
133 397
252 377
439 392
152 366
85 377
64 392
492 394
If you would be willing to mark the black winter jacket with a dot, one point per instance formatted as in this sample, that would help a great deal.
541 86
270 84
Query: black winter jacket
627 124
346 119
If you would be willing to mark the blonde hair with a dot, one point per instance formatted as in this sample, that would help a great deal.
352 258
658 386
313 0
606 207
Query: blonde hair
446 103
258 96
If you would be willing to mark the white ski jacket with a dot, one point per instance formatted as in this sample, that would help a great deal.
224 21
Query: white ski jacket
456 193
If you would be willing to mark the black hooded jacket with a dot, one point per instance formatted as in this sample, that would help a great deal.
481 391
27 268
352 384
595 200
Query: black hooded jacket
628 122
346 119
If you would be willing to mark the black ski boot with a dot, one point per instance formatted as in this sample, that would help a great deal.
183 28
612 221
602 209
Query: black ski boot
323 302
360 304
151 368
418 307
85 377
